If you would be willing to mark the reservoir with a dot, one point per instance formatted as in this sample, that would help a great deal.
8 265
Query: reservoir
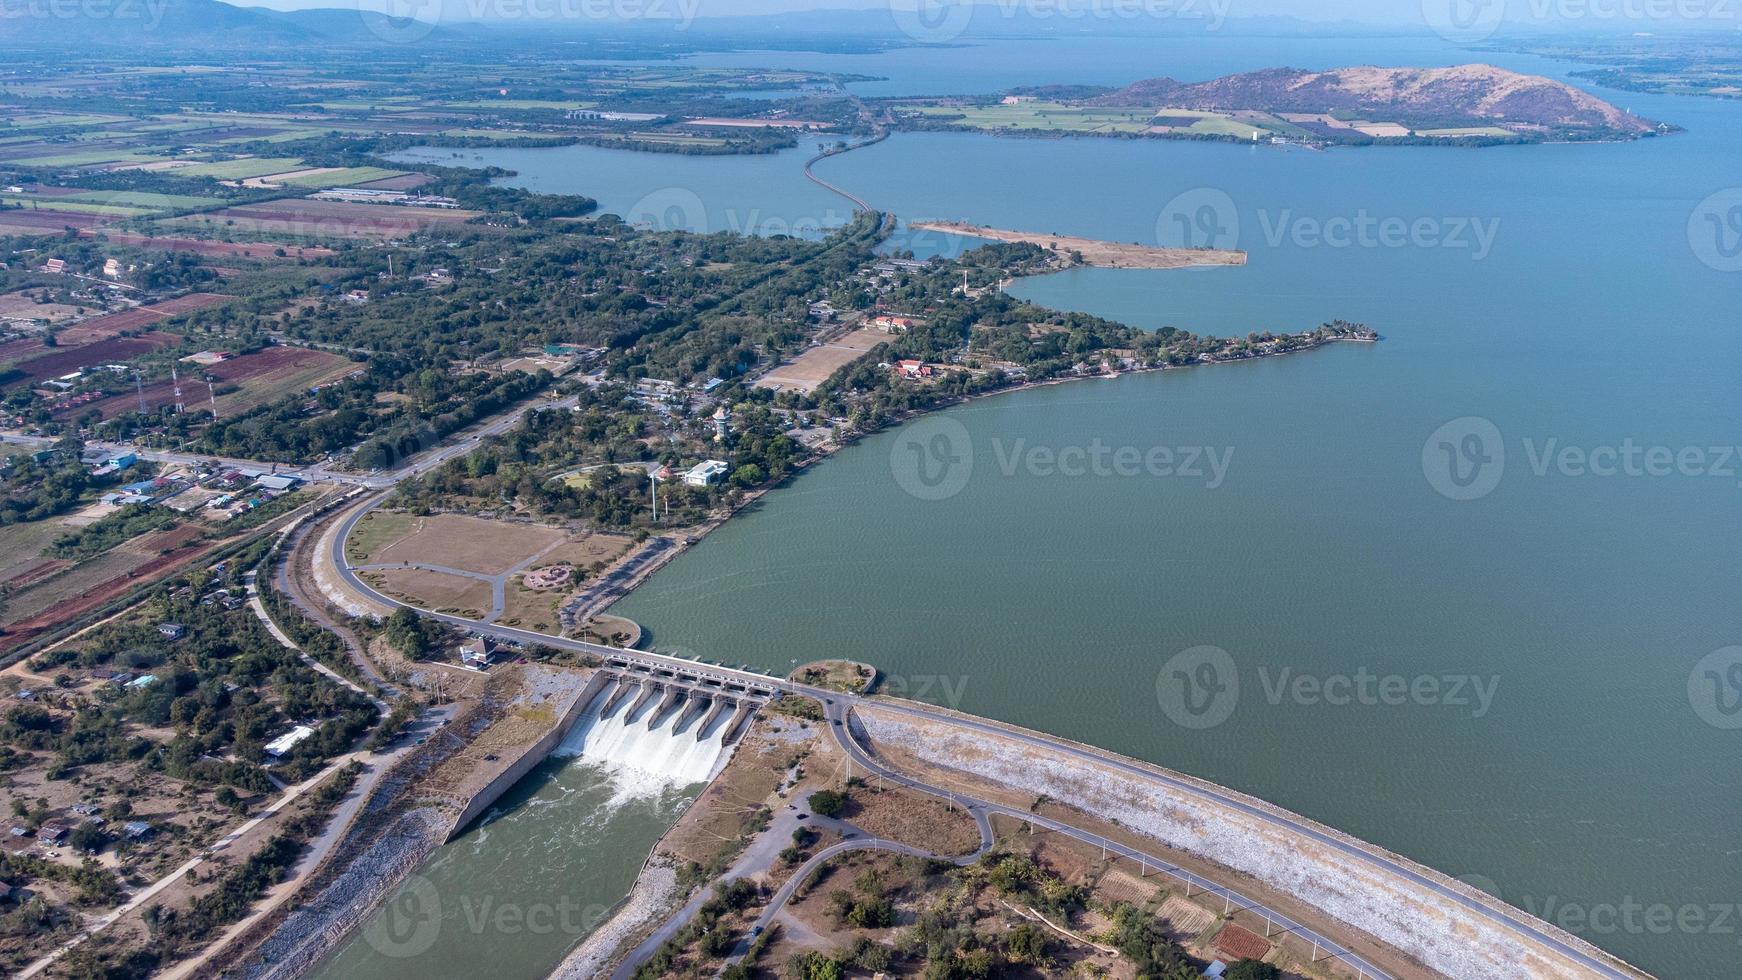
1556 301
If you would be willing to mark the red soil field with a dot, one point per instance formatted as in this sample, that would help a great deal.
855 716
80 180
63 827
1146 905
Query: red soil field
110 324
330 219
36 221
67 360
257 374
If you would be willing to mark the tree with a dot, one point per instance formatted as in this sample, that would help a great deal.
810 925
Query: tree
1252 970
1028 944
827 803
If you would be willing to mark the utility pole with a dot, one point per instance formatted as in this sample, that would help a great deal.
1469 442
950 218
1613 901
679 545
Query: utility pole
175 381
139 386
213 395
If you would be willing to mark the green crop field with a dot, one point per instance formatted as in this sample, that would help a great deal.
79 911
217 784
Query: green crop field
1043 117
142 199
242 169
520 104
76 207
87 157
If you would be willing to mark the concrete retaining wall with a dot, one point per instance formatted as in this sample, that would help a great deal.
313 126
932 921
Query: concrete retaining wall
535 753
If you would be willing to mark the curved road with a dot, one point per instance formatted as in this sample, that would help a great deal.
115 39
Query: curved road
838 709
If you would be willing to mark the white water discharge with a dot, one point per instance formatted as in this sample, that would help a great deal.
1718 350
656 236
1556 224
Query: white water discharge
650 749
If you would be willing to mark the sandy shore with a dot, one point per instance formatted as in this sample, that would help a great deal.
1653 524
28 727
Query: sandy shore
1110 255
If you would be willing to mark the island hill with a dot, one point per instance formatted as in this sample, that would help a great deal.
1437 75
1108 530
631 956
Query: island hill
1467 104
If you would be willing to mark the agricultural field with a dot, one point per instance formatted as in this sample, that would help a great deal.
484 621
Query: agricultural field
1037 117
240 383
816 364
241 168
303 218
324 178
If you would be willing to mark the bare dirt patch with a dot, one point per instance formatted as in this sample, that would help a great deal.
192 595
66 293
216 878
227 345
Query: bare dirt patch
470 543
913 818
815 365
453 594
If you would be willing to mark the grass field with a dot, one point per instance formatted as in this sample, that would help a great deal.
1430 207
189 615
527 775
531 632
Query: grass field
74 205
519 104
471 544
141 199
1055 117
343 177
240 169
88 157
1042 117
376 531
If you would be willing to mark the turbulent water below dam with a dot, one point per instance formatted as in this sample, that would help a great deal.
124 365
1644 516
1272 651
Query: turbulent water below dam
546 866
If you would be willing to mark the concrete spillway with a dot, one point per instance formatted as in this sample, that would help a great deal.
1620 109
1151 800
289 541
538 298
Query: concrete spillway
618 692
694 706
648 745
655 718
718 707
648 690
734 730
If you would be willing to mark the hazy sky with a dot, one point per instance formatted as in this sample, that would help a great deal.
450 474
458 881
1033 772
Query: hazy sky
1633 15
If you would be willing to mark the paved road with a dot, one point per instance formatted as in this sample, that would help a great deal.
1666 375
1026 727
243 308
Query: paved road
839 708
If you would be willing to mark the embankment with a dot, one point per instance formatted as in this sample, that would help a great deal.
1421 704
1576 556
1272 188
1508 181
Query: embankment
1454 929
568 711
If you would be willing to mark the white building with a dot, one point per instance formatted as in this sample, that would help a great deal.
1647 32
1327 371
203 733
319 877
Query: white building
284 743
705 474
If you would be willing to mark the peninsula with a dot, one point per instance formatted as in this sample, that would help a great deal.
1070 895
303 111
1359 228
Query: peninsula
1463 105
1091 251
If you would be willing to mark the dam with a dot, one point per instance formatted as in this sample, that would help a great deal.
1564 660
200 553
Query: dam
545 861
662 729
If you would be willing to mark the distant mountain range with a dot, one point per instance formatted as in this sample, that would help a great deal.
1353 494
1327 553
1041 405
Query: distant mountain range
200 24
1415 97
188 24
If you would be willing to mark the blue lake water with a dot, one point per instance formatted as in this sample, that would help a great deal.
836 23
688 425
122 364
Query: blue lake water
1557 294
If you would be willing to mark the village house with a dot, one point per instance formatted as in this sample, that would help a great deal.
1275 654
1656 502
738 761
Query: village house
477 652
913 369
